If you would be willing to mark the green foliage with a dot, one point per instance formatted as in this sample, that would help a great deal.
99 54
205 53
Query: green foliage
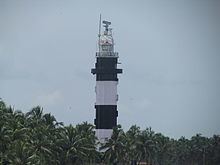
38 138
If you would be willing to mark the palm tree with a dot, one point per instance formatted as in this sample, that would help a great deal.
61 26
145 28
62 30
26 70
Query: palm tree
214 150
4 142
41 134
132 142
74 147
115 147
183 151
198 145
147 145
162 149
87 132
21 153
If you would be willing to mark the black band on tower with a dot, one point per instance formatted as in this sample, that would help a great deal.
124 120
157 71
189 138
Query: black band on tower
106 116
106 69
106 77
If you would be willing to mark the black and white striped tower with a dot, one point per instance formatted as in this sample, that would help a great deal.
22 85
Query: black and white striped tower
106 85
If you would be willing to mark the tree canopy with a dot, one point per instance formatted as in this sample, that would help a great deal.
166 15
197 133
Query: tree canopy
38 138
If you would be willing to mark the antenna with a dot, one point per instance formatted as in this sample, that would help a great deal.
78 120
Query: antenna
99 35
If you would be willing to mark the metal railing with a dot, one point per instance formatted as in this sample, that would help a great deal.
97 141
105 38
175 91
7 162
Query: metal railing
106 54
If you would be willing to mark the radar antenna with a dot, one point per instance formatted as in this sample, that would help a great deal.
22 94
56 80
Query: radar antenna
106 24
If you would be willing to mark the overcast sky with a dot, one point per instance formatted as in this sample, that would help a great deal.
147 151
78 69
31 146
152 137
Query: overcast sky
169 50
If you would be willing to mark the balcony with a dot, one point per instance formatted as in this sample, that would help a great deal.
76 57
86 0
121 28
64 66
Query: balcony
107 54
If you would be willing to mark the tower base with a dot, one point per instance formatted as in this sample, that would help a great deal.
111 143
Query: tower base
103 134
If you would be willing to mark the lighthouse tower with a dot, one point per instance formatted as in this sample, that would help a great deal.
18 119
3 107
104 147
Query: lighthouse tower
106 84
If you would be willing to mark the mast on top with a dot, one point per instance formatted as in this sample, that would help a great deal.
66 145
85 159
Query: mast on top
99 35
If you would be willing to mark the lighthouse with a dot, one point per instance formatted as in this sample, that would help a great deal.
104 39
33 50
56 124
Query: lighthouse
106 72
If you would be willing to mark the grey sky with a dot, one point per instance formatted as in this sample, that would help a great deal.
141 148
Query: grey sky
169 52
